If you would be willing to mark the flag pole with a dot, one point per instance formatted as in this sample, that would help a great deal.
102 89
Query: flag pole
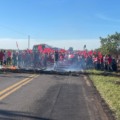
28 42
17 45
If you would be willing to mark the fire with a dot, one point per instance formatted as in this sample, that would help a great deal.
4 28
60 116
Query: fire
13 67
10 67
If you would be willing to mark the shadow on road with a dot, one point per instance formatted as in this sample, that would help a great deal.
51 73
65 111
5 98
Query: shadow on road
63 102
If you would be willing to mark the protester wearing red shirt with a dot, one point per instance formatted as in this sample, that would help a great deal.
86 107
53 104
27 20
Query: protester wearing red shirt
1 57
109 63
101 63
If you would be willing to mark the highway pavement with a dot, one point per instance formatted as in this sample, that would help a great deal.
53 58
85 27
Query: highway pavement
48 97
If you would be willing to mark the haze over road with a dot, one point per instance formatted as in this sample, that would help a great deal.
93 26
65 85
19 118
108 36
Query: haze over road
48 97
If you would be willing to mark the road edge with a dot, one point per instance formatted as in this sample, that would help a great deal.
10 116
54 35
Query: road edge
109 113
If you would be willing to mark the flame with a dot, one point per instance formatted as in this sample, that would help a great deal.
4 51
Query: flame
13 67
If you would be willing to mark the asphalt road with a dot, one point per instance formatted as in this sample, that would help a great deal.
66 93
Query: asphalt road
48 97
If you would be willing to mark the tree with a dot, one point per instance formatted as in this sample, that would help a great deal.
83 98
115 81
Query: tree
110 44
70 49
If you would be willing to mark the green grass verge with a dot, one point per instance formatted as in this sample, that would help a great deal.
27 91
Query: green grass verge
109 88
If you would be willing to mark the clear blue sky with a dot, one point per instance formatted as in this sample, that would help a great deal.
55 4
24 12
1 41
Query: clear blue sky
59 19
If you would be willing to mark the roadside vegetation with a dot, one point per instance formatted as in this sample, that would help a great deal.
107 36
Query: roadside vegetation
110 44
108 85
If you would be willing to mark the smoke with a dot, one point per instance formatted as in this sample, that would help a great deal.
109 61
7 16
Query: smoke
41 61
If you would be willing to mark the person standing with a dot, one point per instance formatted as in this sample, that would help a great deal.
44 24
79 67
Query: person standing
5 57
45 59
9 54
56 58
14 58
105 62
1 57
110 63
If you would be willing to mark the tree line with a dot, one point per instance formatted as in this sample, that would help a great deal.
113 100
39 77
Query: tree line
110 44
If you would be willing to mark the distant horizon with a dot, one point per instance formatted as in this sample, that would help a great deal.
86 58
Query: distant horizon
65 44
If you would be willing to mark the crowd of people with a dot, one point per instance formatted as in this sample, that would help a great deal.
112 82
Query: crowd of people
105 62
5 57
37 59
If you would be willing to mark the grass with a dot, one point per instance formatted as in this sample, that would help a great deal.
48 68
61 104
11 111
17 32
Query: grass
109 87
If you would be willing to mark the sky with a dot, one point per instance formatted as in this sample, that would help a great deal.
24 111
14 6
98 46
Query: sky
60 23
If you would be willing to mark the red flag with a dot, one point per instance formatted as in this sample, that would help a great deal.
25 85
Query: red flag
40 48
